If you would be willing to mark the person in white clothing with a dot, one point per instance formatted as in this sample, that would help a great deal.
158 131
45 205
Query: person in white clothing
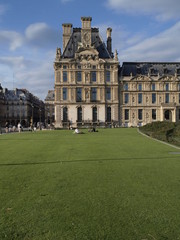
76 131
19 127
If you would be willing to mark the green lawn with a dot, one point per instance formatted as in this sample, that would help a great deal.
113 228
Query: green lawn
114 184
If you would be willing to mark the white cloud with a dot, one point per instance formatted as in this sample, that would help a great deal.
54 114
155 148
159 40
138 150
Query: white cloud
38 35
30 58
161 47
13 62
121 38
12 39
162 9
41 35
37 75
38 79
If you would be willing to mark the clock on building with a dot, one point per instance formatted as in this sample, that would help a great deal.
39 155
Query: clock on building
86 38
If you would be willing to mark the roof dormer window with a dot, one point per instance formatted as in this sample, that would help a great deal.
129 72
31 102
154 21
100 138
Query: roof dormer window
165 71
138 70
152 71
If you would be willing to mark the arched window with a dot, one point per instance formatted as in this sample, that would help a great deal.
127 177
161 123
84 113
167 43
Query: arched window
94 114
79 114
65 114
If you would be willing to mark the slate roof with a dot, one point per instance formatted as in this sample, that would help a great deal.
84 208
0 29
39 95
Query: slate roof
17 94
153 68
96 40
14 95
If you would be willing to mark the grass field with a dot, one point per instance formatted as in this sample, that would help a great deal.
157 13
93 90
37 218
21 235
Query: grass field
114 184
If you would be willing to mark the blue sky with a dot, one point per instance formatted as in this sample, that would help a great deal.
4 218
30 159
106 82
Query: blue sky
30 31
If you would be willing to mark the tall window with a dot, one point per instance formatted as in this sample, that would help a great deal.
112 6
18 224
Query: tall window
108 114
178 86
126 87
126 98
167 98
79 76
153 97
140 111
93 76
78 94
154 114
126 114
140 86
64 76
94 113
153 87
108 76
64 93
79 114
65 114
93 94
108 93
139 98
167 86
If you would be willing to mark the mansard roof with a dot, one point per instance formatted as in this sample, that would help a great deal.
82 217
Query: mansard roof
96 40
153 68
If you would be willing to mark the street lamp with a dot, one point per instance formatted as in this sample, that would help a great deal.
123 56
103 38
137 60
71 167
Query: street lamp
20 101
32 106
40 119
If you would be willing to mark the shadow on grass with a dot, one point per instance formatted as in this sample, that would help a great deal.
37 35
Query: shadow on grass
85 160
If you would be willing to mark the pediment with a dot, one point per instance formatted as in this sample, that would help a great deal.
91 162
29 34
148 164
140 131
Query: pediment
141 78
167 78
87 53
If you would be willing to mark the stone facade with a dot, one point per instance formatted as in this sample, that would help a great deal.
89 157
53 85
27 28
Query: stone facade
86 78
91 88
19 105
149 92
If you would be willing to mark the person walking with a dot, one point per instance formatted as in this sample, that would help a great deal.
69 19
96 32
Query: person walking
7 127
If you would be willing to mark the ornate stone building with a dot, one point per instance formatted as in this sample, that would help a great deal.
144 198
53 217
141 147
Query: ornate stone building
149 92
86 78
92 88
19 105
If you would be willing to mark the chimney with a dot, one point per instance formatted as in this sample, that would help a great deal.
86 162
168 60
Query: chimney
86 31
109 40
67 30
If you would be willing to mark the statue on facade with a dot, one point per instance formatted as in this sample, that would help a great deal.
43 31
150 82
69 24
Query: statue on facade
116 55
87 93
58 53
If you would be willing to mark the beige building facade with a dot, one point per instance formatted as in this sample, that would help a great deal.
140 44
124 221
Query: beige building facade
149 92
91 88
86 78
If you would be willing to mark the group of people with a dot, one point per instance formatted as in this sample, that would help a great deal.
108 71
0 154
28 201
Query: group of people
13 128
91 129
